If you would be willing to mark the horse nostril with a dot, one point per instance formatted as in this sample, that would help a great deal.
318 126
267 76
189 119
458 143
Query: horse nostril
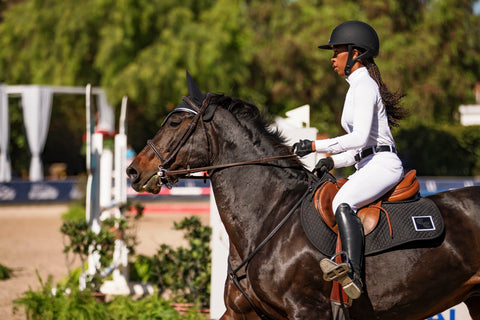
132 173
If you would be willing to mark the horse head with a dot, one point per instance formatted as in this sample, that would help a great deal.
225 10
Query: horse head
201 132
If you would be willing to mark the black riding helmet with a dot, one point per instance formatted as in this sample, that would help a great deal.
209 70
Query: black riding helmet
356 35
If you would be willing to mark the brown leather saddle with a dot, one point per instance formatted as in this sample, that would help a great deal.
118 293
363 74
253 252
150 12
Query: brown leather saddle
408 188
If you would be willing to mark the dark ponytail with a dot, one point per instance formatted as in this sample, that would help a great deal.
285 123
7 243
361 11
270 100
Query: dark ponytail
391 100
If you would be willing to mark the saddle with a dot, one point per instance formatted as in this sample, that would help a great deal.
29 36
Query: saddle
406 189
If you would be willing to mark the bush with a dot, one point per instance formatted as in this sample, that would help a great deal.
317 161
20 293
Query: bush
440 151
61 303
47 303
5 272
470 138
80 240
181 274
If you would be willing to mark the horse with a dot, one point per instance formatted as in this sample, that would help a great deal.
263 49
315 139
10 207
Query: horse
258 185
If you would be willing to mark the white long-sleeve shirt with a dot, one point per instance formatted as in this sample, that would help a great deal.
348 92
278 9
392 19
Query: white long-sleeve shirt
364 118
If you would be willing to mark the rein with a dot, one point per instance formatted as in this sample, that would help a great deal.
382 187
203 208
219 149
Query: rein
233 272
162 172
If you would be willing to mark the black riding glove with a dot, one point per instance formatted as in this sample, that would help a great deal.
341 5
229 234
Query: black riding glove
324 163
303 147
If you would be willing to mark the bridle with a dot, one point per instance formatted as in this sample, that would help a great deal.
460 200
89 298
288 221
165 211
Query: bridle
164 173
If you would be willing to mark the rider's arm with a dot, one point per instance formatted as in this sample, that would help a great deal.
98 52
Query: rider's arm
363 104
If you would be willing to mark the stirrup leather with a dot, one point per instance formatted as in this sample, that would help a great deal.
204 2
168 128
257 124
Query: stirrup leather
333 271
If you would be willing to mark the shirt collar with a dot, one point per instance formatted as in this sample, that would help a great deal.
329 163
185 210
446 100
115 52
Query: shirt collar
357 74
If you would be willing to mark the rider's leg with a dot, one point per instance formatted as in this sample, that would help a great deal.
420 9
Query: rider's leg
374 178
351 233
348 273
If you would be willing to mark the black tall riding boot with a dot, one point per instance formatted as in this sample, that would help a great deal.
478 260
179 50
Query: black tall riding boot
348 274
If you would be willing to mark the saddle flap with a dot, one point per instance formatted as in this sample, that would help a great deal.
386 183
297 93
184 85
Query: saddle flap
323 201
369 217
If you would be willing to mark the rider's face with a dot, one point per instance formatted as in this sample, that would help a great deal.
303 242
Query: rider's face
340 57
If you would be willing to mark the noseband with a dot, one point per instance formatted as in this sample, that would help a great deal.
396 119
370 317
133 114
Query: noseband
163 173
165 179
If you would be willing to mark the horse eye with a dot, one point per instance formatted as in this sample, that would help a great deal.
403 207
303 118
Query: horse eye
174 123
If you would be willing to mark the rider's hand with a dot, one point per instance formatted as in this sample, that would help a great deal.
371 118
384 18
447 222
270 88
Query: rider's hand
304 147
324 164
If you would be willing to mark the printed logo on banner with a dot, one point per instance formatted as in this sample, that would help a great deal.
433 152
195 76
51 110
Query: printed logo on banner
42 191
458 312
75 193
451 316
7 193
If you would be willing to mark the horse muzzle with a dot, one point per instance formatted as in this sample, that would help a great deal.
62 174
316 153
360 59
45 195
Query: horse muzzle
153 184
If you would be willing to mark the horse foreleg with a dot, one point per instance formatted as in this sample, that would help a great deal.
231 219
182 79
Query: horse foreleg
232 315
237 306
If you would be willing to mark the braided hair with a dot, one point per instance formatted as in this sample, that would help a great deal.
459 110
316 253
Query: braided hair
391 100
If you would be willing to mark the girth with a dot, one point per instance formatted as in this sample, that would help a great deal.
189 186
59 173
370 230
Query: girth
407 188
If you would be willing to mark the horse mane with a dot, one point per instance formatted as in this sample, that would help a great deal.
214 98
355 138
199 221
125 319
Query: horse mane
248 114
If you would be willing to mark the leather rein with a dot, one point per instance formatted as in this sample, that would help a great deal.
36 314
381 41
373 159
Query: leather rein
163 173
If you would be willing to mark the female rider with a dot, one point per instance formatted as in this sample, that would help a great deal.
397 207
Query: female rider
369 111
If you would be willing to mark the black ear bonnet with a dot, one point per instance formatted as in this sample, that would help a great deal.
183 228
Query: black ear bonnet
197 97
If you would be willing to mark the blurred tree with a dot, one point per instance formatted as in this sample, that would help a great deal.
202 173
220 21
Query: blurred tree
208 38
438 60
262 51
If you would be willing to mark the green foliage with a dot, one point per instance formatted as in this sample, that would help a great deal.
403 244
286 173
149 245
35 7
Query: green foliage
81 240
470 140
182 273
5 272
440 151
76 212
65 303
142 269
263 51
47 303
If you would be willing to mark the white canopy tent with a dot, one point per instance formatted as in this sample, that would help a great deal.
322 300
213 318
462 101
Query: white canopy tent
5 170
36 103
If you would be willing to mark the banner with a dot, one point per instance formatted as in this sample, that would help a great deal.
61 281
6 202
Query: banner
44 191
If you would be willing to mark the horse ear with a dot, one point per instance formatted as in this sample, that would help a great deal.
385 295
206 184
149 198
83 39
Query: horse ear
194 92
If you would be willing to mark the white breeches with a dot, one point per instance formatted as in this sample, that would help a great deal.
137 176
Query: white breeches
375 176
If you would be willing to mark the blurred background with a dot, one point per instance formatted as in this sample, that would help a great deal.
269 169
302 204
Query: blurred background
261 51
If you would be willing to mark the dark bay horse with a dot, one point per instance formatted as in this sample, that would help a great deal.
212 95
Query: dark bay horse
283 279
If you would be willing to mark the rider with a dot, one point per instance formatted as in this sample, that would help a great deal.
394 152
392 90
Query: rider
369 111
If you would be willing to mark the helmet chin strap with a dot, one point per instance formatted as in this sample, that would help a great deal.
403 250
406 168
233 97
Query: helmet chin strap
350 61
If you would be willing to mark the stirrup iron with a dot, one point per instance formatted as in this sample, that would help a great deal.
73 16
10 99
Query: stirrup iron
333 271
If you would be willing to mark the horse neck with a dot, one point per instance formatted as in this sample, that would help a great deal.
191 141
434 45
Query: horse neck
252 199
